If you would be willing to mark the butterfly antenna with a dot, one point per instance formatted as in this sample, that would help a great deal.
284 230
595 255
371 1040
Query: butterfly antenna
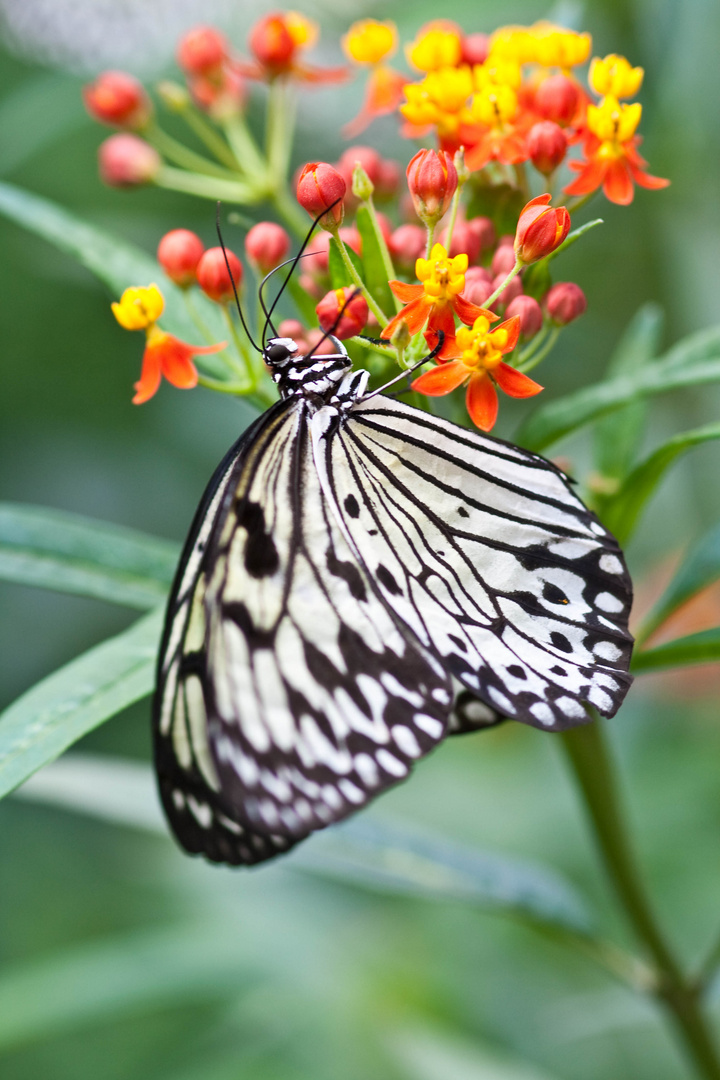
232 282
405 374
329 333
293 263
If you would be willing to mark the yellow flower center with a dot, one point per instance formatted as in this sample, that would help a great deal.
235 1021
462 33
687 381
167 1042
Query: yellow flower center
442 278
437 46
494 106
302 30
370 41
139 307
482 349
613 124
615 76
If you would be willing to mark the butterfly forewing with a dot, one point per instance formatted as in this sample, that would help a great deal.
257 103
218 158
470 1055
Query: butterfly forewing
487 555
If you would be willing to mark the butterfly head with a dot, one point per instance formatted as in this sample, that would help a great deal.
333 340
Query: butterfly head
310 375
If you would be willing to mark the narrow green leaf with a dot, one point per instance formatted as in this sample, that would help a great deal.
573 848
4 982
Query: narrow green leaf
623 510
114 261
430 1054
375 276
700 568
558 418
339 275
372 854
618 435
121 977
68 553
60 709
700 648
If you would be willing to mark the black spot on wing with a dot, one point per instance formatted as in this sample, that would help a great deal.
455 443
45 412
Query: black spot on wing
560 642
387 580
516 671
348 572
553 595
261 557
352 506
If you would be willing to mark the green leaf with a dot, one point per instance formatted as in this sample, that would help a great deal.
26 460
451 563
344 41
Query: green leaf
60 709
618 435
28 123
700 648
54 550
304 302
427 1053
115 262
339 275
121 977
375 275
373 854
623 510
558 418
700 568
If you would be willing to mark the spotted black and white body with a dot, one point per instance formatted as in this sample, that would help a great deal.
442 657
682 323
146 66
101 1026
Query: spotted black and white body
362 579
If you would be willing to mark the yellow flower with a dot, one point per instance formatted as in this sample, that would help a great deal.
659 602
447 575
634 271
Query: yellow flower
513 43
303 31
438 45
494 106
442 277
439 99
615 76
481 347
369 41
497 71
613 124
139 307
556 47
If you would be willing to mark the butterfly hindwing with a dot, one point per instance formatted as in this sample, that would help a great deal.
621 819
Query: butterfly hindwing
487 555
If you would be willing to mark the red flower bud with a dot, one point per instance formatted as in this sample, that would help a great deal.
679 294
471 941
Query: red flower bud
407 244
266 245
564 302
478 285
354 312
127 161
512 290
213 277
179 253
475 49
547 145
432 180
558 98
541 228
316 260
484 230
465 241
272 43
365 156
388 180
503 260
530 312
221 95
319 186
118 99
202 51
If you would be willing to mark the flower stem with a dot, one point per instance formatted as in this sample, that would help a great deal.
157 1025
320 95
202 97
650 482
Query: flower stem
503 285
592 765
453 216
180 154
280 130
534 345
246 369
214 142
384 253
537 357
207 187
357 280
581 200
430 238
245 150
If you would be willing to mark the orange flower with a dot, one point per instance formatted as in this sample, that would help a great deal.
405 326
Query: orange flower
276 40
436 301
139 309
371 42
481 366
612 158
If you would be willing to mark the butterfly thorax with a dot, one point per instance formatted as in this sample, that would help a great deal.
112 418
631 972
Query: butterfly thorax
312 377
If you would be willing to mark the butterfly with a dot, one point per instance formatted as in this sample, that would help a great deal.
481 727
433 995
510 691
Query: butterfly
360 580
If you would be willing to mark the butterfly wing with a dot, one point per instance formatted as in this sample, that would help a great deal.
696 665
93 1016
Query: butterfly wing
487 555
285 682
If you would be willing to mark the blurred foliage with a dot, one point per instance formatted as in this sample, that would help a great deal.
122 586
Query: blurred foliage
121 957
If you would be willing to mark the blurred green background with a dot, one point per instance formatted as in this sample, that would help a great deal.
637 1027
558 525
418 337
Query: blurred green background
120 956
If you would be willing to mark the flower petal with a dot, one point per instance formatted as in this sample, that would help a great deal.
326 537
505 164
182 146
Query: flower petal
414 314
589 179
482 401
176 363
442 379
406 292
618 186
645 180
468 312
512 328
514 383
149 381
450 349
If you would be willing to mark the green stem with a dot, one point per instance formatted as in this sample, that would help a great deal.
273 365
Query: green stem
245 370
246 152
503 284
580 201
357 280
384 253
534 345
593 769
539 356
430 238
295 218
280 130
202 329
181 155
206 187
453 216
207 134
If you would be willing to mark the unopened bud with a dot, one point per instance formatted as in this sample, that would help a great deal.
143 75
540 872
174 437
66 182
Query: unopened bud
118 99
541 229
353 306
401 336
512 290
558 98
503 260
432 180
179 253
127 161
202 51
322 188
478 285
174 96
530 313
547 145
362 185
266 245
474 49
213 277
407 245
565 302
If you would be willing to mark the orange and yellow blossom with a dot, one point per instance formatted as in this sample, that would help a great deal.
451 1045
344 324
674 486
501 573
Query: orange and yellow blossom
139 308
611 156
543 43
437 45
436 301
500 122
481 366
276 41
615 76
371 42
440 100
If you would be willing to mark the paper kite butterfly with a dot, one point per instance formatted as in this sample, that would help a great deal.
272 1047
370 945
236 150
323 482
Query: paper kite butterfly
362 579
